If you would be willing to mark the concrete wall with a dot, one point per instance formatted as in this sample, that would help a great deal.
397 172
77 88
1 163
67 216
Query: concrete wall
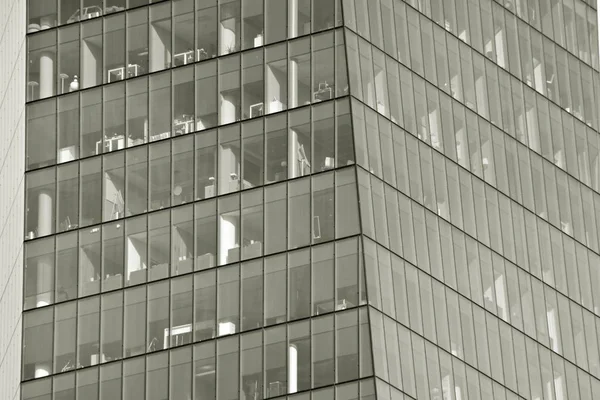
12 155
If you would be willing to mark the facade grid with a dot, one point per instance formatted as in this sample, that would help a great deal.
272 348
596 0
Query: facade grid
311 199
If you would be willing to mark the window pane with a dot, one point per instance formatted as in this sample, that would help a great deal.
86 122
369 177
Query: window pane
68 128
41 137
114 119
252 294
183 101
276 18
228 300
299 284
228 368
88 332
206 234
159 246
39 273
89 261
322 351
160 37
136 250
111 340
182 240
65 326
251 365
205 371
181 312
158 316
68 197
110 382
205 305
37 344
275 289
66 267
112 256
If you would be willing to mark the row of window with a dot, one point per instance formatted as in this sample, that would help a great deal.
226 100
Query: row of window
142 320
510 105
150 39
189 168
247 20
559 21
529 14
546 68
191 237
426 371
500 160
184 100
456 196
413 298
112 386
46 14
491 389
447 254
261 364
484 25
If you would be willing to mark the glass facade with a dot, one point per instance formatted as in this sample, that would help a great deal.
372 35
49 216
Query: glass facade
311 199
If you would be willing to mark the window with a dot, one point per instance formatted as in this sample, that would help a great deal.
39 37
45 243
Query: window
183 171
39 271
41 134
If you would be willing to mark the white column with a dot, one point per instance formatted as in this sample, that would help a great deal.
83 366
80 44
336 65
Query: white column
461 147
532 129
227 237
273 94
44 280
293 167
44 213
293 69
293 22
293 83
41 370
134 259
46 74
91 61
500 55
160 47
227 36
44 267
146 130
293 369
227 114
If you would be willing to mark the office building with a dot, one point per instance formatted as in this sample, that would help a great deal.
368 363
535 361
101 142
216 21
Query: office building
311 199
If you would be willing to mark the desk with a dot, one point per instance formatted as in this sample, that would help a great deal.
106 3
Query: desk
90 287
160 136
205 261
134 142
158 271
256 110
112 282
86 13
324 93
234 185
183 266
112 144
252 250
137 276
118 74
68 153
183 126
187 57
179 335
